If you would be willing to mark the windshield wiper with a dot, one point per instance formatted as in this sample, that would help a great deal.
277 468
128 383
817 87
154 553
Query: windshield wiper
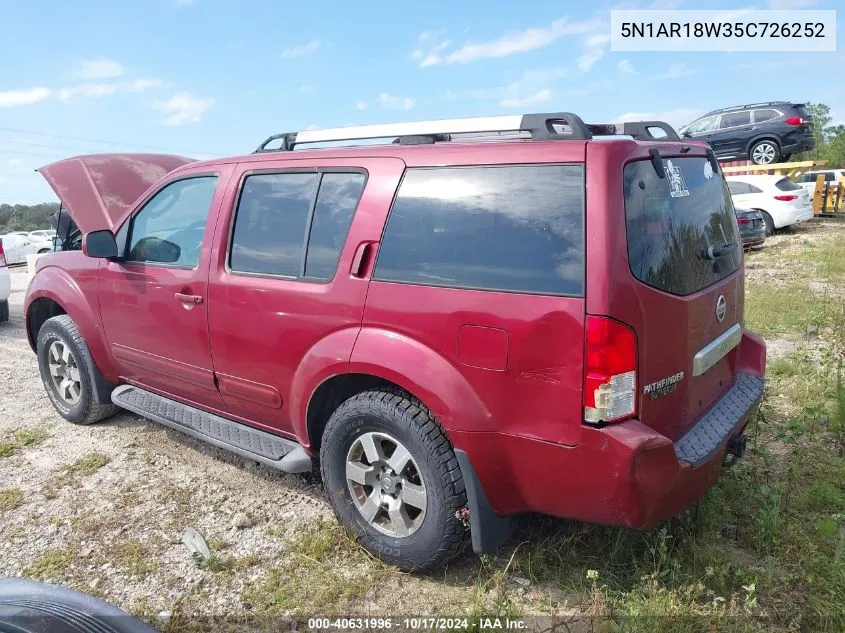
715 251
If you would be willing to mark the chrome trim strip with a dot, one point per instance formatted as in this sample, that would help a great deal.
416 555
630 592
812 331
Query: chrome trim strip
715 350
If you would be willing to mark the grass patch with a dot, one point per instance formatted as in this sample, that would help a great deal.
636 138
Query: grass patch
133 558
10 498
770 310
51 565
87 465
21 438
325 572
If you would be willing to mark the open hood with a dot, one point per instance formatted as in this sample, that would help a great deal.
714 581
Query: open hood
97 189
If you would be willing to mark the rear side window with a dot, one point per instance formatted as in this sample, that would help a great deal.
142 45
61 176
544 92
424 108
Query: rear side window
682 234
735 119
512 229
765 115
738 188
784 184
294 224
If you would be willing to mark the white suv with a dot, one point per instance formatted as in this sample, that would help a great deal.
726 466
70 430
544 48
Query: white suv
780 200
808 179
5 286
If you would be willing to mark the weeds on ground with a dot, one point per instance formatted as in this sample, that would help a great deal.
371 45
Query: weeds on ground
10 498
20 438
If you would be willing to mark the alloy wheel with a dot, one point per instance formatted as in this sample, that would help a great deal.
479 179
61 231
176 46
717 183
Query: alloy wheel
386 484
64 372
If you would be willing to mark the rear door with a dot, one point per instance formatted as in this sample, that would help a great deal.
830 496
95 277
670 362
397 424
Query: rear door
286 277
683 290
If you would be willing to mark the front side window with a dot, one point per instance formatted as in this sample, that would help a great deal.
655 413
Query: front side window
707 124
513 229
169 228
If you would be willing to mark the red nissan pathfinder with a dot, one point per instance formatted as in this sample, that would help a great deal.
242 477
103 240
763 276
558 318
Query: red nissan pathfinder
477 318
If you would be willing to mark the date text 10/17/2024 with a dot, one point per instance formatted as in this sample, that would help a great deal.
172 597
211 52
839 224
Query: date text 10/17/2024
417 623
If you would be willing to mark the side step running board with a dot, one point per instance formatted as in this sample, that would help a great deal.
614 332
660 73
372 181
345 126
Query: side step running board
268 449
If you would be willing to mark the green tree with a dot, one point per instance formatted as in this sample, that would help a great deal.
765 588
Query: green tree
820 114
833 150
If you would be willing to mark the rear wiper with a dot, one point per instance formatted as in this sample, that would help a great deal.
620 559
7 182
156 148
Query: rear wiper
714 251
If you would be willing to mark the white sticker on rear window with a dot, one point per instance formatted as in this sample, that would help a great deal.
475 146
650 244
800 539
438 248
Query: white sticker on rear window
677 186
708 170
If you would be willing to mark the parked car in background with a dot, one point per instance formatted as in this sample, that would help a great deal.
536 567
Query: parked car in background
43 234
452 330
808 179
17 247
5 286
781 202
752 227
765 133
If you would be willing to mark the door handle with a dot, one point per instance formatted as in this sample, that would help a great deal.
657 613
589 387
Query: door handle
188 299
361 259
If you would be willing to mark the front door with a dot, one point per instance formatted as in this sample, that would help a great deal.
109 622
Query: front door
153 299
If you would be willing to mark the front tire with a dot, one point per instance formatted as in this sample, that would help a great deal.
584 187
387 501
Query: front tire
393 480
68 372
764 152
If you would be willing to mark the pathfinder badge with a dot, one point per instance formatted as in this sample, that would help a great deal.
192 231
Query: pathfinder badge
663 386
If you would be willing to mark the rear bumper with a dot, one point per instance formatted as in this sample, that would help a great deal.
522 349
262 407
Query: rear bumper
624 474
805 144
5 283
797 215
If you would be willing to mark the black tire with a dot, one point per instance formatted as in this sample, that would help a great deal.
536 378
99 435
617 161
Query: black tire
770 224
785 157
4 311
89 408
774 151
441 535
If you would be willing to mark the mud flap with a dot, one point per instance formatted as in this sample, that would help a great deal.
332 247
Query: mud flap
489 530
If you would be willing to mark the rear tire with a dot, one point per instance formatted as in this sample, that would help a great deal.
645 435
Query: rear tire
765 152
4 311
68 372
360 465
770 224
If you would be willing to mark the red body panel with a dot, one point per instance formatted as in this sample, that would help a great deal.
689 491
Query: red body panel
503 372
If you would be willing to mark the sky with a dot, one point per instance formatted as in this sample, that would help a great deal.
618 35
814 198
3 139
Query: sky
208 78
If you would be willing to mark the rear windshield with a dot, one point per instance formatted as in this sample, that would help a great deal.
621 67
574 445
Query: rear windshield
682 234
784 184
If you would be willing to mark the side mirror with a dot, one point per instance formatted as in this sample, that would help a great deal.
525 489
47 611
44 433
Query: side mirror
155 249
99 244
686 134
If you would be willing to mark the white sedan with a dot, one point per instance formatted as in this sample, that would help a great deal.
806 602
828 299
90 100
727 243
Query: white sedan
781 201
5 286
17 247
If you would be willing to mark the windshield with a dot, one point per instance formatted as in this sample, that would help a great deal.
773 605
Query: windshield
682 233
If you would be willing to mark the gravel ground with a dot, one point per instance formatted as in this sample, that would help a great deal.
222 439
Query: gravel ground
114 530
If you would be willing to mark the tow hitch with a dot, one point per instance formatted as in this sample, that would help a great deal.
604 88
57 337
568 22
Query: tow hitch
735 449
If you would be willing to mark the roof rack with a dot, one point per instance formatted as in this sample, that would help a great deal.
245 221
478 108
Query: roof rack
749 105
541 127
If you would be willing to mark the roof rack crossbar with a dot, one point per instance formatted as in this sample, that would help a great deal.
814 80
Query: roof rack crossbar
548 126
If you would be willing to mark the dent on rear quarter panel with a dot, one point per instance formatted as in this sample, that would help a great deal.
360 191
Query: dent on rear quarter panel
70 279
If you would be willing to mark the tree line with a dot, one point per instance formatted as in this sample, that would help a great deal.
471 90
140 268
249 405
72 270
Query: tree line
830 138
23 217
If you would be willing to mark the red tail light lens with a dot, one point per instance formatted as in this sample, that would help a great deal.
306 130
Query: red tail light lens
2 255
786 198
795 120
743 221
610 371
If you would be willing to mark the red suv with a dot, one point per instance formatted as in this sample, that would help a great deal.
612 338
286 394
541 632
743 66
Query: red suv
484 317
